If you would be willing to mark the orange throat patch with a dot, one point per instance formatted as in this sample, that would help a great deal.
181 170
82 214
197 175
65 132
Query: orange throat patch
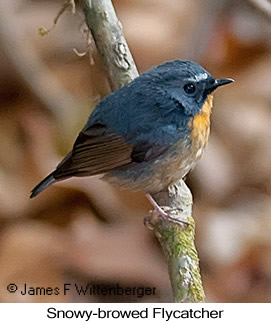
201 122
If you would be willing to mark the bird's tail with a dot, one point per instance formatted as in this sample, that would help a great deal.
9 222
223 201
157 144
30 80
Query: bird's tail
43 185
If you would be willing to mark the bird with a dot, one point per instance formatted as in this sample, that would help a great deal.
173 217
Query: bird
146 135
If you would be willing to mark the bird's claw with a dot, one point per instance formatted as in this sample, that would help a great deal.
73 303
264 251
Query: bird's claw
165 214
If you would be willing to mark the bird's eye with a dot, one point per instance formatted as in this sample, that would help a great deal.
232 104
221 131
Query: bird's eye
189 88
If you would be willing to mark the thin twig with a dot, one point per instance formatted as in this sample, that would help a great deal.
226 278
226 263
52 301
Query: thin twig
49 91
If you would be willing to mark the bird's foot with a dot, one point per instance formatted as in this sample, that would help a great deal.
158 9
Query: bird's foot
159 211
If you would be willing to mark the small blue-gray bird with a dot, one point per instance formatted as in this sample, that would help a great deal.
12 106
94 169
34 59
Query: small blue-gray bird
148 134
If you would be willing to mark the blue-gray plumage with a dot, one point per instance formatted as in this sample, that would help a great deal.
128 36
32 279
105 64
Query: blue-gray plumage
148 134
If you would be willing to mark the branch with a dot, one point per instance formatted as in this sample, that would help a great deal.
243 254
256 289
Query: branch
111 44
177 240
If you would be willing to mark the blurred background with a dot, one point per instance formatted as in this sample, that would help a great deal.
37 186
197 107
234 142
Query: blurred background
86 231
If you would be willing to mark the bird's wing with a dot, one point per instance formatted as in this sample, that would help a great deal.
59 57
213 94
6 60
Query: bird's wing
146 151
97 150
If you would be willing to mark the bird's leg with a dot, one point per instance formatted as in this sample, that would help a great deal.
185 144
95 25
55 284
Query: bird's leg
159 211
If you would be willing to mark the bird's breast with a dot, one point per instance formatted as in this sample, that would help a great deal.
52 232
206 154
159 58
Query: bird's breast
155 175
200 127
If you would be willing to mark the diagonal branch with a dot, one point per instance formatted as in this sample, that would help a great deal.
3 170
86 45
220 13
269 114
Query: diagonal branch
177 241
111 44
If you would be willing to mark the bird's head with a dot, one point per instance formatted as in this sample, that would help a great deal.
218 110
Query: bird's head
185 82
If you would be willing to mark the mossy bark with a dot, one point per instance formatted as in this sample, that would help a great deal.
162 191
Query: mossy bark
177 241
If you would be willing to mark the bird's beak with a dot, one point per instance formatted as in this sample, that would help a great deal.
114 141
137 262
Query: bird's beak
220 82
215 83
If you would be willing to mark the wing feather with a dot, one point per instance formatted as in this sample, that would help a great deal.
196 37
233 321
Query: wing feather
95 151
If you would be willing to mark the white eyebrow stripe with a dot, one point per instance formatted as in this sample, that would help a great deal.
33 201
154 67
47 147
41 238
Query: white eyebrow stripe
199 77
